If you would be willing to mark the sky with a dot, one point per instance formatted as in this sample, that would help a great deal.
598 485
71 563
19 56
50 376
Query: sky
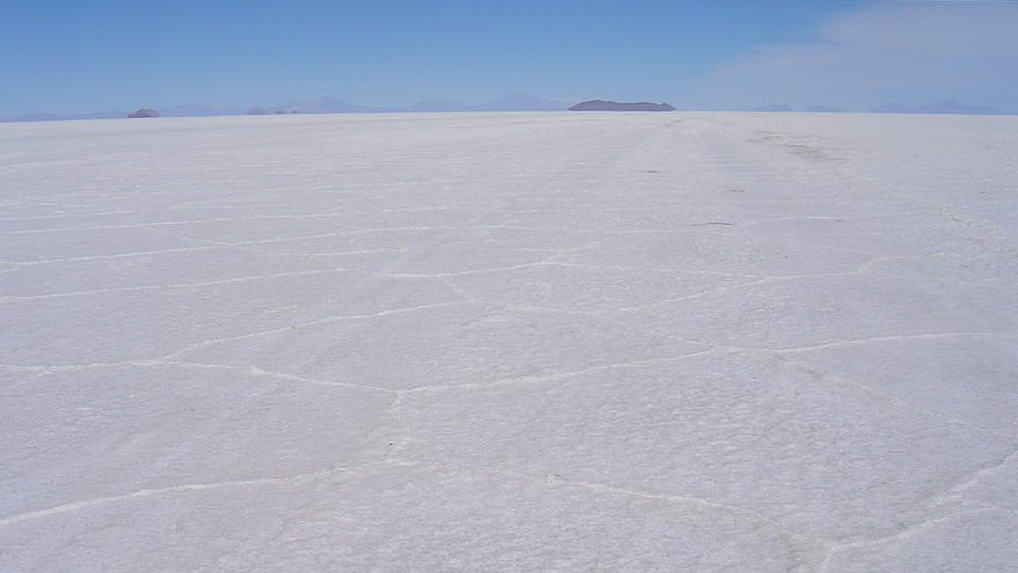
88 55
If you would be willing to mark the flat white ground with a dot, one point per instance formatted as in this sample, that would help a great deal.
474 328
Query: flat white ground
510 342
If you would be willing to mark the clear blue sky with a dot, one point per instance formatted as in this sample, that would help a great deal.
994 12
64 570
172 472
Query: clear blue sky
67 56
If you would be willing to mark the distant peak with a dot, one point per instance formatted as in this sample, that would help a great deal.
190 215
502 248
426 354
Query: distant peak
607 105
143 112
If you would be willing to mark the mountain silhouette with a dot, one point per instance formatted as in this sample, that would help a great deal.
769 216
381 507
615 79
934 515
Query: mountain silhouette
605 105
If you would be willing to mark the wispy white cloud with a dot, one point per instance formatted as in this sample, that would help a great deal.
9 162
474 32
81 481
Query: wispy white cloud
913 53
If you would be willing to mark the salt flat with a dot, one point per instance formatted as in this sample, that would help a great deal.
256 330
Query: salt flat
510 342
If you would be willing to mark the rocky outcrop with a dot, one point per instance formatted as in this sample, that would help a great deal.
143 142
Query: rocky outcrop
144 112
603 105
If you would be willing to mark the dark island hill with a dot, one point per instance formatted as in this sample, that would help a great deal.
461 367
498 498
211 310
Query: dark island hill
602 105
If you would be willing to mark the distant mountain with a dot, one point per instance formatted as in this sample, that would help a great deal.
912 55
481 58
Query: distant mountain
946 106
65 116
604 105
773 107
822 109
513 102
144 112
326 105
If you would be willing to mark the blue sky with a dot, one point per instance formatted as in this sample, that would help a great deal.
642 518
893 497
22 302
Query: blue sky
76 56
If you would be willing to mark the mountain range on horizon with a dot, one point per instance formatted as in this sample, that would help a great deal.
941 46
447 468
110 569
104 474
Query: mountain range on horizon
512 102
320 105
947 106
943 106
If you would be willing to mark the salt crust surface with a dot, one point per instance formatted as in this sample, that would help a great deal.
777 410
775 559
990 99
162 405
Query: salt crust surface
510 342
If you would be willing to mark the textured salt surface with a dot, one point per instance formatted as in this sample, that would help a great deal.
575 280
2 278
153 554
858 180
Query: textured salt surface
510 342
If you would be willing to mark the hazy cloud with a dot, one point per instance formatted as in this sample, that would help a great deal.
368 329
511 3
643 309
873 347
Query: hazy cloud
912 53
